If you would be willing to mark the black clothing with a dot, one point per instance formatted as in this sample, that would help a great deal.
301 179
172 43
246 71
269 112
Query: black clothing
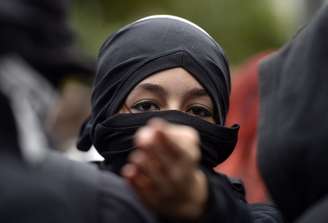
293 154
8 131
317 213
60 190
114 137
227 203
26 196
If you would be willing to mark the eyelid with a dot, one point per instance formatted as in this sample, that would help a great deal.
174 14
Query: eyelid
200 105
146 100
151 101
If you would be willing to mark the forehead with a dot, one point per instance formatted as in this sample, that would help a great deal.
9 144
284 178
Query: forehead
175 79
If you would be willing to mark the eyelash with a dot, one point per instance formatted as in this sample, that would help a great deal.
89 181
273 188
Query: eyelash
196 110
201 110
136 108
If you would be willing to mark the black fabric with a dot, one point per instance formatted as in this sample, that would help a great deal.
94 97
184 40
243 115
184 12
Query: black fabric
27 196
38 31
293 154
318 213
227 203
93 195
114 137
60 190
148 46
8 131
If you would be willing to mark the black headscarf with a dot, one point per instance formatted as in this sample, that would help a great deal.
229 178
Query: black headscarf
139 50
38 31
293 130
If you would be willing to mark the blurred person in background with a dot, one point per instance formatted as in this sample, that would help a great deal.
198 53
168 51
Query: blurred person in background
169 68
38 56
37 184
244 103
25 196
293 125
56 189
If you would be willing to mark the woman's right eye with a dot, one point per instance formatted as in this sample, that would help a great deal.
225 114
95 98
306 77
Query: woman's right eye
144 106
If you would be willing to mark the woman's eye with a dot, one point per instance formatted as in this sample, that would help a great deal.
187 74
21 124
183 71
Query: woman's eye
200 111
145 106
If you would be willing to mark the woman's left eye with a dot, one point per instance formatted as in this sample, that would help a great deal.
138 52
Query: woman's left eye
145 106
200 111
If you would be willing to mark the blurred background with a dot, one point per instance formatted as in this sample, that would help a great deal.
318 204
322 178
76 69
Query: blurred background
241 27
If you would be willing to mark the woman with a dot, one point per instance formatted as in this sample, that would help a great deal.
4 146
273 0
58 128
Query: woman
168 68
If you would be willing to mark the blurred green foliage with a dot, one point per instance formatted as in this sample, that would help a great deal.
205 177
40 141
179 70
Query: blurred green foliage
242 27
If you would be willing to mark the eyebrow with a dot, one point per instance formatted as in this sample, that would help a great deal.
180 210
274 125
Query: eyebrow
196 92
154 88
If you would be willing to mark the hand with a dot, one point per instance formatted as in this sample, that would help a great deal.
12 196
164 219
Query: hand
164 170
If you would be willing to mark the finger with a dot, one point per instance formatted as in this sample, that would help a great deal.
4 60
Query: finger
142 184
176 141
136 178
165 182
168 174
129 171
149 167
147 140
181 142
174 166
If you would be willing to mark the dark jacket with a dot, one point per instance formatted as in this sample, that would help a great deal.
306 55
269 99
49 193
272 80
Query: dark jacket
60 190
54 189
227 203
293 154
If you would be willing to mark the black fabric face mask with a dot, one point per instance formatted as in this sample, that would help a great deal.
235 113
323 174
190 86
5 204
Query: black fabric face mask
114 139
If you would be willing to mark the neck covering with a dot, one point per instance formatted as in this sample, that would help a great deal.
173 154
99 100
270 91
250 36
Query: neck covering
293 154
141 49
38 31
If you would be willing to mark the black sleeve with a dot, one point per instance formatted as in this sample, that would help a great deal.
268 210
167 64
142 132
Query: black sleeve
227 203
316 213
118 202
265 213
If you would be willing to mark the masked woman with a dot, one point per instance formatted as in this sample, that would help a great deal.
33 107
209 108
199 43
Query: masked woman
168 68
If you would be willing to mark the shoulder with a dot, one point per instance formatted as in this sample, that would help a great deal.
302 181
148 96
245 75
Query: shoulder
98 194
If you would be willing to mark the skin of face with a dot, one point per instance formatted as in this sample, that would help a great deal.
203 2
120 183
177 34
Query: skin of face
172 89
